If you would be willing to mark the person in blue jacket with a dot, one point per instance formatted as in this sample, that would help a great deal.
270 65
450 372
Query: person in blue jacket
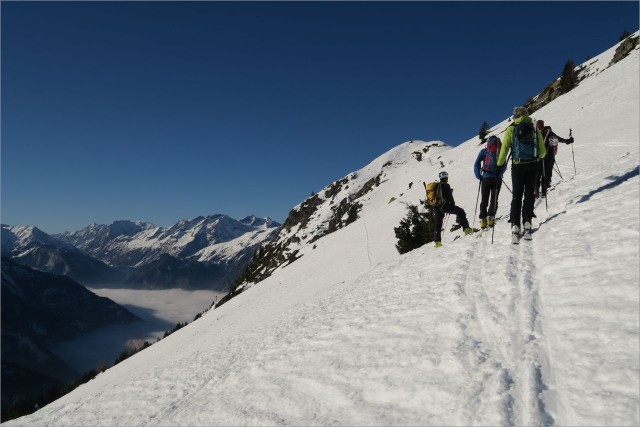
490 175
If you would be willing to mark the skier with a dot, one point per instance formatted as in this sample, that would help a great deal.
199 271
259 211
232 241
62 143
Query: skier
545 168
527 146
490 176
448 206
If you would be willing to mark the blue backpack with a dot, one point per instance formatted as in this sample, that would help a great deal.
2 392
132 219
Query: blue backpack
490 163
525 142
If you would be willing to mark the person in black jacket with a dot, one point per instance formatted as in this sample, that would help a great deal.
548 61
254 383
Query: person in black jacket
448 207
545 168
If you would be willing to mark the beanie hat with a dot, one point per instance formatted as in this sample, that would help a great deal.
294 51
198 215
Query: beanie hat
519 112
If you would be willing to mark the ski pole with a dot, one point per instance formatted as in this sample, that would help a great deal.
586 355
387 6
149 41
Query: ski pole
476 210
444 227
493 230
495 204
573 155
505 184
544 185
557 169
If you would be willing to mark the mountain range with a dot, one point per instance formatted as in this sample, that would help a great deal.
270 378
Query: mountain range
44 302
202 253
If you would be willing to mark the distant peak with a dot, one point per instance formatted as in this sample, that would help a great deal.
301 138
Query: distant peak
123 227
254 221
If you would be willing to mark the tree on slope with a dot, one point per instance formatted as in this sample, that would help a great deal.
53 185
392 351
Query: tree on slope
414 230
569 77
484 131
624 35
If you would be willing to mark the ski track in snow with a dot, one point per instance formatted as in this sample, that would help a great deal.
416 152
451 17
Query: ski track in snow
366 232
491 350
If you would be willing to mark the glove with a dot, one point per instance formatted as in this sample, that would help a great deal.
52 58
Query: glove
569 141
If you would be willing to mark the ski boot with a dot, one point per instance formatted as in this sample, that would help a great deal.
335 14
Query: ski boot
483 224
438 244
527 231
515 234
470 230
491 221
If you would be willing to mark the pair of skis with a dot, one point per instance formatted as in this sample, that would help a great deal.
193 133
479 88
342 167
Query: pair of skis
515 237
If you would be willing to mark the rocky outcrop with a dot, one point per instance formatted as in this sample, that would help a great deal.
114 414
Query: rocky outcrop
625 48
284 248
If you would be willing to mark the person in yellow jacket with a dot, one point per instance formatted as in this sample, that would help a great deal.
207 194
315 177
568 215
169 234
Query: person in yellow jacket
526 145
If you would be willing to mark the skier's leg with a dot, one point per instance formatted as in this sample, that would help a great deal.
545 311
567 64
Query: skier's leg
517 183
528 178
484 203
461 216
549 160
437 231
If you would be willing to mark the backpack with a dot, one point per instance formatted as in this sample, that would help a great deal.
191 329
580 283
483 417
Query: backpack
490 163
434 194
525 142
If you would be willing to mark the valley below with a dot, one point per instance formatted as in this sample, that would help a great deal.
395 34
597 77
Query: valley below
160 311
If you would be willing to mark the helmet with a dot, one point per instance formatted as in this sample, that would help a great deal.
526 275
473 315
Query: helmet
443 175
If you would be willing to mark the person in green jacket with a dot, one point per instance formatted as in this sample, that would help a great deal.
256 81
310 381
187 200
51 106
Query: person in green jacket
526 145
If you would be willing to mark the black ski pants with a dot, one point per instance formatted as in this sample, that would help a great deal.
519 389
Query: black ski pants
523 179
448 208
489 191
545 171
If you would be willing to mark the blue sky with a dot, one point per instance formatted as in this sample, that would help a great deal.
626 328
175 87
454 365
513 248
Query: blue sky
161 111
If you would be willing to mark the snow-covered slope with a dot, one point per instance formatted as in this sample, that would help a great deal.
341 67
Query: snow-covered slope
473 333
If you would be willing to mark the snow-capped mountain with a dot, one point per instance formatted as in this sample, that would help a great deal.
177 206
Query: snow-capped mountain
126 244
335 327
254 221
32 247
204 252
95 237
201 253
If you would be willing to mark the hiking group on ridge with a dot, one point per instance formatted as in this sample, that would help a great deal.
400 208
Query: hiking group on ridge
531 148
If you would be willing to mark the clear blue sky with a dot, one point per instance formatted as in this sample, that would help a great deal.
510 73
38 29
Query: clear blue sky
161 111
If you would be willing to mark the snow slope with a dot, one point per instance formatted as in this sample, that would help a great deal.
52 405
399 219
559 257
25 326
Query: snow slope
541 333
